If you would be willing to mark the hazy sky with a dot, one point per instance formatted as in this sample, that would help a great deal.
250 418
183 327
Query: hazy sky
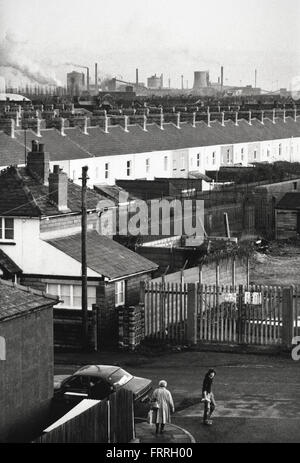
172 37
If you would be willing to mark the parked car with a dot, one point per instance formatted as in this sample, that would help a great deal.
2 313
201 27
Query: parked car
98 382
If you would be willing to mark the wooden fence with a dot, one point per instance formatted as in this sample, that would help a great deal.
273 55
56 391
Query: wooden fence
252 315
165 311
191 313
108 421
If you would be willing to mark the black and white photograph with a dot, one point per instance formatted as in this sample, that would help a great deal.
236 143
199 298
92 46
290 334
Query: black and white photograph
149 225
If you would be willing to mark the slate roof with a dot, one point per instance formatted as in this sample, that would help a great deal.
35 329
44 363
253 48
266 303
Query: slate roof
23 195
290 201
76 145
104 255
17 300
7 265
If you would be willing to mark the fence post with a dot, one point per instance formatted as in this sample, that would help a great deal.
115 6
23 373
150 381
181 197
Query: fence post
287 316
192 313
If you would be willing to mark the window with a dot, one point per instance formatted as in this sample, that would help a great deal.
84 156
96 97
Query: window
119 293
268 152
242 154
147 165
74 175
255 154
165 162
280 149
214 158
198 160
128 167
6 229
106 170
228 156
174 164
71 295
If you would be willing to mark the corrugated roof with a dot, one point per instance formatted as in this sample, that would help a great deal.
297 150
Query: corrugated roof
16 300
290 201
23 195
104 255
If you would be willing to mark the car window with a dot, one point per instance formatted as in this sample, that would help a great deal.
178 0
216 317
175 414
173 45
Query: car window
99 388
77 382
119 377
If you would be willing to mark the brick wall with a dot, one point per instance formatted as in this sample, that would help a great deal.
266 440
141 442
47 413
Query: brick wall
108 325
26 385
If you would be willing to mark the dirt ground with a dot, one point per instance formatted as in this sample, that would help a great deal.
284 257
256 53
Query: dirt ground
279 265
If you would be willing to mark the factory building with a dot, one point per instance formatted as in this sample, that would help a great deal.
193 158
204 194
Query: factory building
155 82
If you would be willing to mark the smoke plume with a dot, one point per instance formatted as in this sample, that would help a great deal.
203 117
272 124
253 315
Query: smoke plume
12 56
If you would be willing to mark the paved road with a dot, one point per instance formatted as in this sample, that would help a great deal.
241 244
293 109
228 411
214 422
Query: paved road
258 396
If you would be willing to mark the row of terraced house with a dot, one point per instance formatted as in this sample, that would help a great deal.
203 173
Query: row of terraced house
156 150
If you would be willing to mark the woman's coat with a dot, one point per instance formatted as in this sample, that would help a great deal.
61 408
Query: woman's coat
165 403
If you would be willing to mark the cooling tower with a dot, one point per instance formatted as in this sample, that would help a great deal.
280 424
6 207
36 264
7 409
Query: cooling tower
201 79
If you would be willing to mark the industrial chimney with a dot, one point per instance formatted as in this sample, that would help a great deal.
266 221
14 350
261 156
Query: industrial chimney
88 79
222 78
136 79
96 77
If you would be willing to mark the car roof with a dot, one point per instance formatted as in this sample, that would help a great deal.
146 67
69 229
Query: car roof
102 371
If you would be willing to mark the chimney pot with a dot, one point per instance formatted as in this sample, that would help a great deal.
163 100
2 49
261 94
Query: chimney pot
62 127
295 114
178 120
56 169
223 119
38 128
145 123
85 131
284 116
162 121
274 116
250 121
208 119
41 147
236 118
126 123
262 117
106 124
194 119
34 146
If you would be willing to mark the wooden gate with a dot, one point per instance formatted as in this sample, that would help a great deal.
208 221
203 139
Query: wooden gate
166 311
242 315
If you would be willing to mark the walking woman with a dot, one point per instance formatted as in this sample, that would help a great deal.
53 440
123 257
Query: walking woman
208 396
163 405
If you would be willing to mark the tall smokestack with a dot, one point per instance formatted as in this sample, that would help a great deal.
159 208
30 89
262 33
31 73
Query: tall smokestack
88 79
255 84
136 79
96 76
222 78
169 82
161 81
181 82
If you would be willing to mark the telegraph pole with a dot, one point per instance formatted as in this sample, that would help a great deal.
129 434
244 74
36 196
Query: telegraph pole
83 260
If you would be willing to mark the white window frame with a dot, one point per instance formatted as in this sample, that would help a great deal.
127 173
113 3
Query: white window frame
3 228
71 286
119 293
